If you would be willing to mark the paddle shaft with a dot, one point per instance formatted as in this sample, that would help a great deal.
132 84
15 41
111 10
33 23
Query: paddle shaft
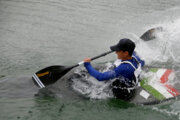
96 57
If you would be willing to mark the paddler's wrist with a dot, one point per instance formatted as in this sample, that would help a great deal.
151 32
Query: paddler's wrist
87 61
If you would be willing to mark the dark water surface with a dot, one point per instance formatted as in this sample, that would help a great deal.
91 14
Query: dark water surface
51 108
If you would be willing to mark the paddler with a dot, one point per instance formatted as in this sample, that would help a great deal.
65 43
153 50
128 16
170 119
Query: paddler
126 72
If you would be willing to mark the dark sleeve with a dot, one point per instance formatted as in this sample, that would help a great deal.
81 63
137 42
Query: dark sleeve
98 75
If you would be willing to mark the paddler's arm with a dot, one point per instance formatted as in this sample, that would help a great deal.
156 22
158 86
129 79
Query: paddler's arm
98 75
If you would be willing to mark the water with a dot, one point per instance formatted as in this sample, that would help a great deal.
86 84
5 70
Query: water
38 33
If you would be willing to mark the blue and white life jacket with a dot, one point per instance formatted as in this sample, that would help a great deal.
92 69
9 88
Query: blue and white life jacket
137 71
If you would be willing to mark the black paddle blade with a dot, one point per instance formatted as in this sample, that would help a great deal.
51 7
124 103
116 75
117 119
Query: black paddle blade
49 75
151 34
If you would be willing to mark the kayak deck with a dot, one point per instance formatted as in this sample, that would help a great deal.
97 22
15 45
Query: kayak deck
157 85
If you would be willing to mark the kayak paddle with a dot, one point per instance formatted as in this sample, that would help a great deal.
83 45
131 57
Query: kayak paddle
51 74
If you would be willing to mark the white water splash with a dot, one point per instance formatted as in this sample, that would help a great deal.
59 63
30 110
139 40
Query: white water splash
91 87
173 36
165 48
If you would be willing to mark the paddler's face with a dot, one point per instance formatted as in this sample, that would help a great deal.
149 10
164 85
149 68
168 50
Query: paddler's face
122 54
